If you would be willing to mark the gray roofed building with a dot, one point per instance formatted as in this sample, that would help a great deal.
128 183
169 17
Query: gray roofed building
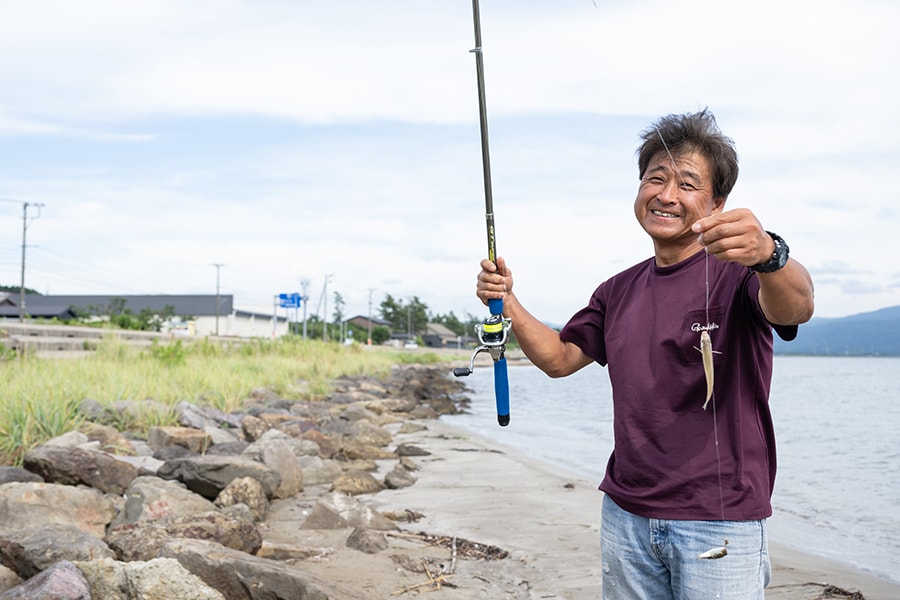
197 312
190 305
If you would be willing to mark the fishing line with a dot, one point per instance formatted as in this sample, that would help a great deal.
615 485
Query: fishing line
706 307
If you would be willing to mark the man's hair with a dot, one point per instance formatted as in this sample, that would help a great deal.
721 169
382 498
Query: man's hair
690 132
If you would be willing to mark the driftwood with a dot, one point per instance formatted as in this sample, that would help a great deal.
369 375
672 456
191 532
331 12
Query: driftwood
434 582
464 547
831 591
458 547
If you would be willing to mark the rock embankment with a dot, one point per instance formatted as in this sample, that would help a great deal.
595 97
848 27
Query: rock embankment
97 514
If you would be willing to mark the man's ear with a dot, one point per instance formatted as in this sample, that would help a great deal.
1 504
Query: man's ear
718 204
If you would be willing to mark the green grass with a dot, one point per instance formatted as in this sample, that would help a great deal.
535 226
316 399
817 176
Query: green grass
41 397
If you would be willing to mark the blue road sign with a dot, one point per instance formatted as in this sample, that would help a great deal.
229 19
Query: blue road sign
290 300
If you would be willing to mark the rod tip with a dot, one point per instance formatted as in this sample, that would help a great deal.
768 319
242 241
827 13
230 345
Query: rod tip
503 420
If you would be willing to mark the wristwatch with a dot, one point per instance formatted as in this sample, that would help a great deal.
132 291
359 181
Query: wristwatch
779 257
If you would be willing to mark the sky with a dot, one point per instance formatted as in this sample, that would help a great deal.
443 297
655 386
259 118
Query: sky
334 146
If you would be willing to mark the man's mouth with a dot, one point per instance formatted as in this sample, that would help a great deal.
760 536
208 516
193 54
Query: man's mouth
664 214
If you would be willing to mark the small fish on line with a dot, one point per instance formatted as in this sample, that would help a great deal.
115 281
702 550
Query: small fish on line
707 351
714 553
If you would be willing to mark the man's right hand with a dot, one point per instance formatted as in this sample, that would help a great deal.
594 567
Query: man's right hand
494 281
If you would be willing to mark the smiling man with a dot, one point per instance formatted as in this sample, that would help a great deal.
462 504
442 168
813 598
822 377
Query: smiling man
687 489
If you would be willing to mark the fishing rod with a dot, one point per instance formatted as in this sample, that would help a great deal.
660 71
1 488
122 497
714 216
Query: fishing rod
493 332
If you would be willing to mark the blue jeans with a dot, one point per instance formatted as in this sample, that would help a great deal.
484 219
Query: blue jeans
656 559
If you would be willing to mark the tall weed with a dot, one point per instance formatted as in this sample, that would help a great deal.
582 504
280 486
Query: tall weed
42 396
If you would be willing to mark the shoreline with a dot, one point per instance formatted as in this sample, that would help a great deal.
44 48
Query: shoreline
548 520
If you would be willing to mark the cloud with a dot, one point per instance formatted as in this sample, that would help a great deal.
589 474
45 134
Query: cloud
289 140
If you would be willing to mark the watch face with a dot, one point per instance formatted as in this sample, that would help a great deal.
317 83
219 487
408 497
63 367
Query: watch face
779 257
781 253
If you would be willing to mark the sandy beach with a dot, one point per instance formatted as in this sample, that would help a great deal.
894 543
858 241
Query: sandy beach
547 520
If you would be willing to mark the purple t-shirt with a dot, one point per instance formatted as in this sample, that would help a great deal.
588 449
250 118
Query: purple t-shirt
645 324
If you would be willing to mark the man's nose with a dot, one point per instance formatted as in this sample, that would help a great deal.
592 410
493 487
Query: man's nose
669 192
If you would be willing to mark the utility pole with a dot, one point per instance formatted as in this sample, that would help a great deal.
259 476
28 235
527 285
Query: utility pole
304 285
325 309
369 337
25 206
218 267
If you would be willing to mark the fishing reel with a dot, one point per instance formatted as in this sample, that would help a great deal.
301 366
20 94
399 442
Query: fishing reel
493 334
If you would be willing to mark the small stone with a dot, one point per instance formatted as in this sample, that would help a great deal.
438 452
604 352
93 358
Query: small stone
370 542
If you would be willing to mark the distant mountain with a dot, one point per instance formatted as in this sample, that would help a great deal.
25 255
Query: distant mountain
868 334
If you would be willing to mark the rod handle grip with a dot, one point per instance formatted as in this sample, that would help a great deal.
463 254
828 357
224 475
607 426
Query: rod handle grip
501 391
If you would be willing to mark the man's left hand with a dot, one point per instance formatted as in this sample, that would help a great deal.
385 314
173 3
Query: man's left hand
736 236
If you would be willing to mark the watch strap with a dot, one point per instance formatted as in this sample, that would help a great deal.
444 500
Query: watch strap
779 256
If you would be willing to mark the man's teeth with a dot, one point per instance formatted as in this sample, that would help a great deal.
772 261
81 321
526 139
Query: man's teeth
660 213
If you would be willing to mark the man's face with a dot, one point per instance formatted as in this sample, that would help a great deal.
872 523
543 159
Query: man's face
672 197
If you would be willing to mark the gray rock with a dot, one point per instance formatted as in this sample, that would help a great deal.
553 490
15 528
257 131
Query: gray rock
355 412
109 439
30 551
217 435
151 498
142 540
29 505
357 482
305 447
253 427
410 427
319 470
10 474
74 466
8 579
274 451
339 428
351 511
146 465
370 542
194 440
191 415
241 576
365 433
411 450
299 446
95 411
200 417
172 452
69 439
62 581
235 448
246 491
399 478
208 475
321 517
156 579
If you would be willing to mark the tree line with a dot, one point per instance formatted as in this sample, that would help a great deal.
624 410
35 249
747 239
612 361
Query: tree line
408 318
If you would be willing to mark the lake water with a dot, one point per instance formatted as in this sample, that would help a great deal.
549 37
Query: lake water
837 423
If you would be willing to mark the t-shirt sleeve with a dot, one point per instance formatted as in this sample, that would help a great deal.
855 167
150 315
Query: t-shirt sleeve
785 332
585 329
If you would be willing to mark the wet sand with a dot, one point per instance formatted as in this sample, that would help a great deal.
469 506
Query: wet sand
548 521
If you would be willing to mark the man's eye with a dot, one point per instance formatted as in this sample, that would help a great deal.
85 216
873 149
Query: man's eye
687 186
